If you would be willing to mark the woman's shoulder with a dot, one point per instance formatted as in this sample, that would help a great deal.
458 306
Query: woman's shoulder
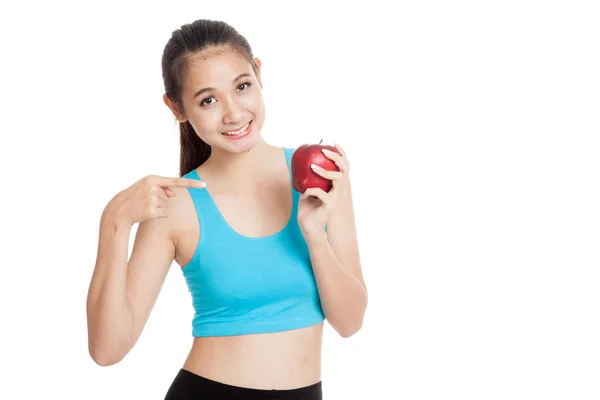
178 204
289 151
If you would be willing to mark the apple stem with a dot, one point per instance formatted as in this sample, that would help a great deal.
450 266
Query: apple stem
321 141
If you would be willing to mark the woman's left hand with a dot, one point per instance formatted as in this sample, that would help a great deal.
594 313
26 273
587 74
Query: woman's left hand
314 212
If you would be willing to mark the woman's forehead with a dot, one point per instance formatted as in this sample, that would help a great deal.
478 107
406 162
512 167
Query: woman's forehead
215 68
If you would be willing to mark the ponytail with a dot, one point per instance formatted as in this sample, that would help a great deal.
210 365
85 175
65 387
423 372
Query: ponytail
194 151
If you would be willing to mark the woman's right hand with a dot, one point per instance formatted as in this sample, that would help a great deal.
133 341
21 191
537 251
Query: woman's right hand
146 199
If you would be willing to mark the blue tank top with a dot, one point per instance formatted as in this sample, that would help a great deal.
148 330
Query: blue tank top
242 285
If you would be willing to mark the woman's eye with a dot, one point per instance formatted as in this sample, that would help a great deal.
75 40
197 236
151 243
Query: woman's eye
211 100
205 101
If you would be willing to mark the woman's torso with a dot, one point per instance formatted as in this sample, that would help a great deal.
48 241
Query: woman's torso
278 360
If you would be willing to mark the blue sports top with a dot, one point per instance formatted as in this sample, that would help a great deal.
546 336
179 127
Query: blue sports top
243 285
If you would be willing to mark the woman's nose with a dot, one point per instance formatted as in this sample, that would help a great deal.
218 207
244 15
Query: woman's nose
234 113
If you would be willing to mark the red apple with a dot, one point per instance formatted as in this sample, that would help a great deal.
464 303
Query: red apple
303 176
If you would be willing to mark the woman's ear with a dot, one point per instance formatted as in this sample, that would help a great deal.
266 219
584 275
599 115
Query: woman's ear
258 64
174 107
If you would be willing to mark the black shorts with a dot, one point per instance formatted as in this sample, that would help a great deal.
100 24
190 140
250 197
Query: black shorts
190 386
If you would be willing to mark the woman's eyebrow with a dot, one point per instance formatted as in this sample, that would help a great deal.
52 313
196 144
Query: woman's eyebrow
207 89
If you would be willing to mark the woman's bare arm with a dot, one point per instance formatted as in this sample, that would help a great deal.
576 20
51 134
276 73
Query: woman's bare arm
123 292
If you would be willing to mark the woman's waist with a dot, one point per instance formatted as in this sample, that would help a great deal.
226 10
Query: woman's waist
279 360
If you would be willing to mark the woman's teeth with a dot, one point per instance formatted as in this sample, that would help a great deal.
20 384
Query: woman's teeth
238 132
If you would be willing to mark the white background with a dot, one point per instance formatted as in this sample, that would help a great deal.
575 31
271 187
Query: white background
472 129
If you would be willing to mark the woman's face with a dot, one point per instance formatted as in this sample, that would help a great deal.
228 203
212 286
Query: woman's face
222 99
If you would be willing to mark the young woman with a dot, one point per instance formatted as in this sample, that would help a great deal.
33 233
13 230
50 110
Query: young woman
265 265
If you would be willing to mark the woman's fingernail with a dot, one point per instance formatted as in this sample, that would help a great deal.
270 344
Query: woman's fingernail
327 152
315 166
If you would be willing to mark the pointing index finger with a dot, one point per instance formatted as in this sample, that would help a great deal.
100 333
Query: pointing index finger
181 182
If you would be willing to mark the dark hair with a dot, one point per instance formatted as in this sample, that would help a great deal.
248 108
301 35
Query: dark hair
184 42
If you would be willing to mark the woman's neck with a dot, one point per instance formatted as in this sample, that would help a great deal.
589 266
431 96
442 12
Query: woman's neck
240 168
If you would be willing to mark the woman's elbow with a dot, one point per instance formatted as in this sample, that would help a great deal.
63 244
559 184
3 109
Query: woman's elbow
347 332
106 356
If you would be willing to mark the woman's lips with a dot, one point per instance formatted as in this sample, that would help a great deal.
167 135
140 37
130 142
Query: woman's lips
239 135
